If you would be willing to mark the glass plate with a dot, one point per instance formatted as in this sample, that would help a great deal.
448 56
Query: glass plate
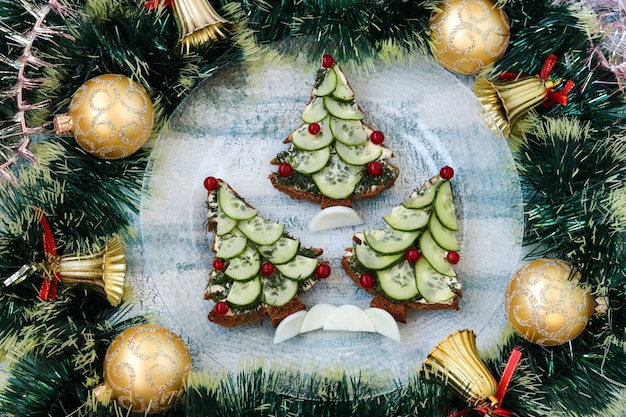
232 125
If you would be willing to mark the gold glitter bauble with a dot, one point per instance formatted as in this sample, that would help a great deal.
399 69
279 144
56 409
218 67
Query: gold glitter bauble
545 304
111 116
145 369
468 35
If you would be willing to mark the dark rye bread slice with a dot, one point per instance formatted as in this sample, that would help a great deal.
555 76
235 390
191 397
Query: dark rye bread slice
317 198
397 309
239 318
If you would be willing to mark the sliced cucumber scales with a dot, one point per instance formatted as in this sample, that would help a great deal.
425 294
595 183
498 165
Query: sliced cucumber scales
278 292
358 154
342 109
338 179
245 293
435 255
389 241
374 260
442 235
425 195
281 251
261 231
349 132
302 139
309 162
315 111
245 266
233 206
342 90
431 284
327 84
231 244
444 206
398 282
299 268
224 223
406 219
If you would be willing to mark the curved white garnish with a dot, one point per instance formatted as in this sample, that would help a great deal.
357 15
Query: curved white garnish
333 217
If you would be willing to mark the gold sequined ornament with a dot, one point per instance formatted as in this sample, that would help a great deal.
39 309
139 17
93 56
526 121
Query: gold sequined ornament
468 35
145 369
111 117
545 303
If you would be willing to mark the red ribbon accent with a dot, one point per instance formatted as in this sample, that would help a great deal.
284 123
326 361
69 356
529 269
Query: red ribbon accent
48 290
554 97
485 408
153 4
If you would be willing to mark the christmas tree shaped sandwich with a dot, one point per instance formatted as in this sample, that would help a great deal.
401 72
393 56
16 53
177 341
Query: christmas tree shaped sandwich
334 157
410 263
258 268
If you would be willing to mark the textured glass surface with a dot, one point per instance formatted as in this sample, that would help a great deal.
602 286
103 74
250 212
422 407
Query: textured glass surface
234 124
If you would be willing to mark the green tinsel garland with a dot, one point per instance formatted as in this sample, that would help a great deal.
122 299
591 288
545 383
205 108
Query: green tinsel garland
572 166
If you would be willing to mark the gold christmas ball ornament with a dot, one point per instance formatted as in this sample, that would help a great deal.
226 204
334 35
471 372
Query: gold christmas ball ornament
545 304
468 35
111 117
145 369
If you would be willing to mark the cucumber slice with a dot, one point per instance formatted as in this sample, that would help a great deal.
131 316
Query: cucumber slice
277 292
358 154
389 241
374 260
302 139
244 293
342 109
245 266
338 179
398 282
233 206
444 206
281 251
431 284
425 195
349 132
231 245
261 231
314 111
327 85
402 218
308 162
342 90
442 235
435 255
299 268
224 223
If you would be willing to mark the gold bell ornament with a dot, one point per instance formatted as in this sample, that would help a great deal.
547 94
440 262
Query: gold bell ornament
508 100
145 369
198 24
103 272
455 363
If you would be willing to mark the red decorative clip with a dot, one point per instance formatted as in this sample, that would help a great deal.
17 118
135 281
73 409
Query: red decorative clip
48 290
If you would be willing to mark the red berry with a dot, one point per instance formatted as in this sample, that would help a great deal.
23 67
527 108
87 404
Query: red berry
377 137
412 255
366 280
446 173
314 128
221 308
375 168
210 183
267 268
323 271
285 170
218 264
453 257
327 61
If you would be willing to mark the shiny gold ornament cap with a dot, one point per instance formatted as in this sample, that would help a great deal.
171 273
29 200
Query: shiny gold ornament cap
455 363
63 124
